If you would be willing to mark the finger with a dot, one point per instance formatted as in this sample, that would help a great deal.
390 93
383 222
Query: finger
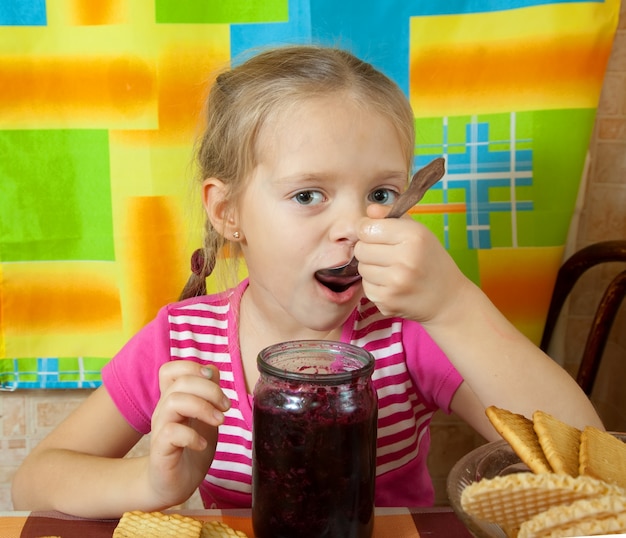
173 370
396 283
378 295
369 254
377 211
189 415
375 273
174 436
386 231
188 398
380 255
202 387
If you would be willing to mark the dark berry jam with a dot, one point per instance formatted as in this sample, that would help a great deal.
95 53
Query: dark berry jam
314 448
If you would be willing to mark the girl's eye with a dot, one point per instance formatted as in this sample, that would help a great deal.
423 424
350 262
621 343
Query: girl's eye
383 196
309 197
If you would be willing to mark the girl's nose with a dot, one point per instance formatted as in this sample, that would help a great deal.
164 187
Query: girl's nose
346 219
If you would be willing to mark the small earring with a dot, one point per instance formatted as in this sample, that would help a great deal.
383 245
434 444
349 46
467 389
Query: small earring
236 235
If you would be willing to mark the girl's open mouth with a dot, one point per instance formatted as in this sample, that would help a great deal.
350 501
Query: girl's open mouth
337 284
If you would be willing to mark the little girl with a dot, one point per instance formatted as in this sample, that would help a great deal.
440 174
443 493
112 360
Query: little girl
304 151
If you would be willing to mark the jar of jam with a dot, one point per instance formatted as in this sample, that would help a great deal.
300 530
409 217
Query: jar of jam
314 441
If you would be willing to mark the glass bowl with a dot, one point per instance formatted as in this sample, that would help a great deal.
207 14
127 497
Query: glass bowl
487 461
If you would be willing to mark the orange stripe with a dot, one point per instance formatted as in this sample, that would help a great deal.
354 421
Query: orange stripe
153 257
459 207
519 281
451 80
50 301
98 86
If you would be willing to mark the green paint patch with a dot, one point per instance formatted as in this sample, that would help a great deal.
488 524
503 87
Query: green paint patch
56 195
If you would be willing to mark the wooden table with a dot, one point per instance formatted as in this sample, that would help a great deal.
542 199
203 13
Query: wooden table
389 523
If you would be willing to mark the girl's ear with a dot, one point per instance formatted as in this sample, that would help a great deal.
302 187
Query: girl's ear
215 200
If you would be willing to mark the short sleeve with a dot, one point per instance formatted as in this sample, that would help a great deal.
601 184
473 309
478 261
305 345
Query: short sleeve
435 376
132 377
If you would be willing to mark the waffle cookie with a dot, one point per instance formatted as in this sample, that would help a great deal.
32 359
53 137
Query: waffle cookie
600 515
513 499
218 529
602 456
156 525
520 434
139 524
559 442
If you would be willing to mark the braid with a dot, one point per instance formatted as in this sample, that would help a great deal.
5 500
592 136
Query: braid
194 287
201 268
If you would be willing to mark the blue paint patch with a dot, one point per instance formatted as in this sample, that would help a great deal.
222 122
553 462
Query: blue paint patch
456 7
23 13
247 39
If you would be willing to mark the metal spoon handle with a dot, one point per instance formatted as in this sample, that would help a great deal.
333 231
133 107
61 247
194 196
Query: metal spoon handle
421 181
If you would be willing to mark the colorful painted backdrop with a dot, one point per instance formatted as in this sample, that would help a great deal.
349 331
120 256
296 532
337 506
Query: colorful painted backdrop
99 103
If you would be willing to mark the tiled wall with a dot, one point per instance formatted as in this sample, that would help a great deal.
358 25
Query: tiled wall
26 417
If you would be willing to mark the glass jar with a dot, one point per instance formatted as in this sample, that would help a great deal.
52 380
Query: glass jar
314 441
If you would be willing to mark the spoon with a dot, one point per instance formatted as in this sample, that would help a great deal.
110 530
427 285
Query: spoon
421 181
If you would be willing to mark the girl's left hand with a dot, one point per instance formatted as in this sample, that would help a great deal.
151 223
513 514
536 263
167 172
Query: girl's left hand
406 271
184 429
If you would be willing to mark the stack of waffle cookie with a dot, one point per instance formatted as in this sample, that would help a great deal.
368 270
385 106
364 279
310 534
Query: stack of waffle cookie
576 487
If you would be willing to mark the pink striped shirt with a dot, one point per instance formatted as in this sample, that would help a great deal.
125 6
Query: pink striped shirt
412 377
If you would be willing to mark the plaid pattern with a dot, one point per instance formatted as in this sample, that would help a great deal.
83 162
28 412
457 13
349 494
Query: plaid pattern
51 373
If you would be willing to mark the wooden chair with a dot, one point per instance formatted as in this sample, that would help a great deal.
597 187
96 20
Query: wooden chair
570 271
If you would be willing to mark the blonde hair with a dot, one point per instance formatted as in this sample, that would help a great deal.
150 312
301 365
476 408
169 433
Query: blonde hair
242 100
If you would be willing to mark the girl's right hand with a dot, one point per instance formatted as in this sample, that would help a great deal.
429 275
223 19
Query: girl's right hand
405 269
184 429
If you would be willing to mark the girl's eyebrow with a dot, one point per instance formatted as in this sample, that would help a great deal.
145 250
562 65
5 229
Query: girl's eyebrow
383 175
302 179
399 175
